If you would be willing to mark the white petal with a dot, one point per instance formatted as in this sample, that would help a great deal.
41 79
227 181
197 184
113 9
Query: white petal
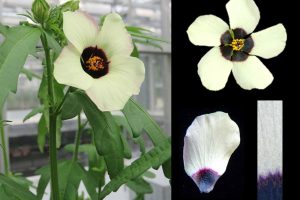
252 73
80 29
111 92
113 36
214 69
269 42
207 30
68 70
209 142
243 14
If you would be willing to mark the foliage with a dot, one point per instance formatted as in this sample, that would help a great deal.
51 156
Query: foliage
110 134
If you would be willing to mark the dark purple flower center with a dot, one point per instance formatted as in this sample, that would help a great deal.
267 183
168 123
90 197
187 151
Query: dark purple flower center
236 45
94 62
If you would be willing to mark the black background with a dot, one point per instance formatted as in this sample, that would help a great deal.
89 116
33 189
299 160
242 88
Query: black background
190 99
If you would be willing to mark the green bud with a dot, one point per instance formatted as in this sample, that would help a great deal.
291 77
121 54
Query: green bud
72 5
40 10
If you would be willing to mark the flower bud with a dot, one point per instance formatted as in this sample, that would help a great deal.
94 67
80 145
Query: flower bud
40 10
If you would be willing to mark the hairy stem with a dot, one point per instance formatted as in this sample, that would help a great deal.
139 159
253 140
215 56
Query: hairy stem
52 121
3 142
77 138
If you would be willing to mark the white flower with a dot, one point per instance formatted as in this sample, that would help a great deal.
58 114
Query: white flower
98 61
236 54
209 142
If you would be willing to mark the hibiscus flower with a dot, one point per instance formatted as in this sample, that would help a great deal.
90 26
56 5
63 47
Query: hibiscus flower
235 48
99 61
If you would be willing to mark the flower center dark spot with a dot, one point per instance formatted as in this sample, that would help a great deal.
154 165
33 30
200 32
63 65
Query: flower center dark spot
236 45
94 62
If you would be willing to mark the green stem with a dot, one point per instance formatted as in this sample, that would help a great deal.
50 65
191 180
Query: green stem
52 121
3 142
58 108
77 138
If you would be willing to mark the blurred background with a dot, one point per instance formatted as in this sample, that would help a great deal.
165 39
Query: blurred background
155 94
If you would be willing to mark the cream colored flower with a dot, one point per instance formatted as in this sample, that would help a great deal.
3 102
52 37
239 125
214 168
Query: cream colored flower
235 48
208 144
99 61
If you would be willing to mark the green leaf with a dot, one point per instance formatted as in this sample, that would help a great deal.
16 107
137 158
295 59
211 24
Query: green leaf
147 37
140 186
107 136
21 180
42 132
4 30
15 189
30 74
122 122
71 107
140 197
3 193
19 42
95 176
140 141
136 29
44 180
70 175
127 148
34 112
72 5
149 174
140 120
167 168
154 157
135 52
147 42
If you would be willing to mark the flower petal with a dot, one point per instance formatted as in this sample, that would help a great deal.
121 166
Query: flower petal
80 29
111 92
252 73
243 14
269 42
113 36
68 70
207 30
208 144
214 69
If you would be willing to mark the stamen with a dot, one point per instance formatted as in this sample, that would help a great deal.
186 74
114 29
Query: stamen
237 44
95 63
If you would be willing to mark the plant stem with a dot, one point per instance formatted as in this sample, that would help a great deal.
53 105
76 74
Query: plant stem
3 142
58 108
77 138
52 121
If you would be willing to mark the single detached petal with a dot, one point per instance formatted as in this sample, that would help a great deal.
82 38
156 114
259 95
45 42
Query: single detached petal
68 70
207 30
214 69
252 73
113 36
243 14
111 92
209 142
80 29
269 42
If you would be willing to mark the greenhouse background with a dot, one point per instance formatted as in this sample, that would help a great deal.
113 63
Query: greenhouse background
155 94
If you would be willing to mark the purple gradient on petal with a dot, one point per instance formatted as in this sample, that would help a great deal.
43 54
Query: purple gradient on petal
205 179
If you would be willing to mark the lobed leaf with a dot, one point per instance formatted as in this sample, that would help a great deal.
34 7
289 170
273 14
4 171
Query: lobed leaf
154 157
107 136
19 42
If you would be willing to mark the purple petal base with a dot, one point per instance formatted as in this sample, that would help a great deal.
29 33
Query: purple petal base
270 187
205 179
